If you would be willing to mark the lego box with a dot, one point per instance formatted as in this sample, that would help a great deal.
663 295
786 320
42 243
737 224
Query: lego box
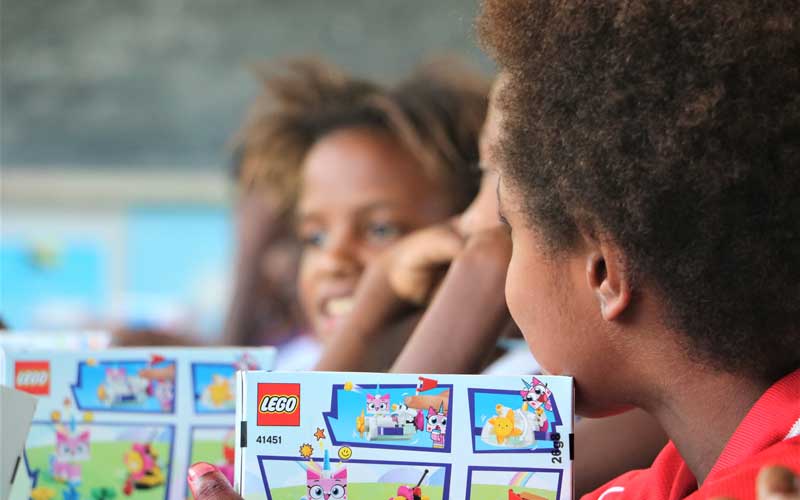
361 436
126 423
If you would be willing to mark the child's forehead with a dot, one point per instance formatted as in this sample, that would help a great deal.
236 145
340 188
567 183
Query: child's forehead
360 159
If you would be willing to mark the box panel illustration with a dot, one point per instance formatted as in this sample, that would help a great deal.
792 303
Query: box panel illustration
307 436
127 423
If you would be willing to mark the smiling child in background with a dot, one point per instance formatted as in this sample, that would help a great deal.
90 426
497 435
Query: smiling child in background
367 165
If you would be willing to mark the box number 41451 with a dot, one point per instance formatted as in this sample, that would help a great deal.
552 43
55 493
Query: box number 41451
268 439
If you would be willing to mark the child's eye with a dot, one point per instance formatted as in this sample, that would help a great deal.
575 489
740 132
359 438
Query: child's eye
382 231
314 239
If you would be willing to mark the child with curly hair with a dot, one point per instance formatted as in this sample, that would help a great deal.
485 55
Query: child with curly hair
360 165
649 178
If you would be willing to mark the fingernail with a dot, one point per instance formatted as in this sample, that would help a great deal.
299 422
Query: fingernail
200 469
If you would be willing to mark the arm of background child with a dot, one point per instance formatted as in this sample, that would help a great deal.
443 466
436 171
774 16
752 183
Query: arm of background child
379 325
608 447
461 326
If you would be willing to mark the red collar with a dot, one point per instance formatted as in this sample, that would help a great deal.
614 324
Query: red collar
768 422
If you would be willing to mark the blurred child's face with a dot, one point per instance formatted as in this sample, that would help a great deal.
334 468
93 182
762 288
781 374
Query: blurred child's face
361 191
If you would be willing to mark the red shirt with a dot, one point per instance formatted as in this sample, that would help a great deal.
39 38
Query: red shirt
768 435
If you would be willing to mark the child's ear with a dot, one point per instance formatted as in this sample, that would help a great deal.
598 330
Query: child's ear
610 281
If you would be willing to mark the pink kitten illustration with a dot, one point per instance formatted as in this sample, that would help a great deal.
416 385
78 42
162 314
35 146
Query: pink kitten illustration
378 405
437 425
71 448
326 484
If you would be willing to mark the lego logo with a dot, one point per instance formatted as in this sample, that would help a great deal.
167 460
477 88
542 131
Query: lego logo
277 404
36 378
32 377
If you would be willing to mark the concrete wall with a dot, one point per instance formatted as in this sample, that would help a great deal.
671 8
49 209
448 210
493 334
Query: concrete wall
162 83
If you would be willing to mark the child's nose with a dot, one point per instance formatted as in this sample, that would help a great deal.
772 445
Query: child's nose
342 254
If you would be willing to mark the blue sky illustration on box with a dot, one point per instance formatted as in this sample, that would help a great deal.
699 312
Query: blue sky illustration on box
127 386
353 406
490 412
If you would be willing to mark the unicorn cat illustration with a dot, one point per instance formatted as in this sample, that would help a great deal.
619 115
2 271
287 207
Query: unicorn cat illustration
536 394
437 425
326 484
119 387
71 449
382 423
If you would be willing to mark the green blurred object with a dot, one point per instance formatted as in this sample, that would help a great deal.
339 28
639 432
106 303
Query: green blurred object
104 493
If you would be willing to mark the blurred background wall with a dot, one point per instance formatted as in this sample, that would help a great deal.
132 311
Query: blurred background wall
114 118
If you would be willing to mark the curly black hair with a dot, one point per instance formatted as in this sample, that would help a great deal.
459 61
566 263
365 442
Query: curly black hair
671 128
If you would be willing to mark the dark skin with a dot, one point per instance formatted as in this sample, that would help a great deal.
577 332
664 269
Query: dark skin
590 282
354 204
456 269
470 300
587 289
378 303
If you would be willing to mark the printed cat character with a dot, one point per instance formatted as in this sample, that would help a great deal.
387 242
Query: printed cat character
378 405
382 423
71 449
537 394
246 363
121 388
326 484
437 425
164 392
